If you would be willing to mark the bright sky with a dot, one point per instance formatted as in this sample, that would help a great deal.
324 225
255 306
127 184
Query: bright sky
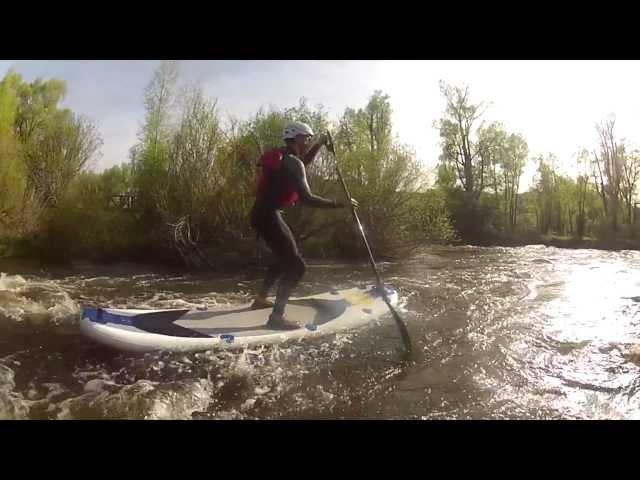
554 104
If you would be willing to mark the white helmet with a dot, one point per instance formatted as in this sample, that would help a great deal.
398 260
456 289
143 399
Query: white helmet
296 128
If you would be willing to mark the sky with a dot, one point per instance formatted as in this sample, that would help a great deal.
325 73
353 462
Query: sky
554 104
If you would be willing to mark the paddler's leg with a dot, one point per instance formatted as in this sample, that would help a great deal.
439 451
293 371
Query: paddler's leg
274 272
291 278
267 225
294 270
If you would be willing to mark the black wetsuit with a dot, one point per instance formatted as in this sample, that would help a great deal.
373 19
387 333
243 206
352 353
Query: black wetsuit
266 219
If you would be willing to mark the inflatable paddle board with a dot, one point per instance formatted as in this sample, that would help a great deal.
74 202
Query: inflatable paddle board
197 330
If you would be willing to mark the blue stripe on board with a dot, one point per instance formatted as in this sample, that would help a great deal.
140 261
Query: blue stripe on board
98 315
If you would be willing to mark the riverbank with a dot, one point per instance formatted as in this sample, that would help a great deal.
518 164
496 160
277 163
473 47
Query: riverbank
15 255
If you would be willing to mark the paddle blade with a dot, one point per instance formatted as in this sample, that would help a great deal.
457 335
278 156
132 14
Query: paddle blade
404 333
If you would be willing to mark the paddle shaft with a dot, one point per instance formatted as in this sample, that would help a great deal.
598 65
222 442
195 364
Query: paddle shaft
401 326
364 237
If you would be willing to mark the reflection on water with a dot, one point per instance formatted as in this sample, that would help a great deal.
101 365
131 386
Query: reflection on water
529 332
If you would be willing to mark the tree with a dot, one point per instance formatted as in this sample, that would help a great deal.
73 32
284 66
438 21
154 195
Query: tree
607 170
582 185
62 148
38 104
463 154
458 148
492 148
159 96
12 174
115 181
150 156
380 172
42 147
514 159
55 144
629 181
565 205
9 102
445 177
194 175
545 192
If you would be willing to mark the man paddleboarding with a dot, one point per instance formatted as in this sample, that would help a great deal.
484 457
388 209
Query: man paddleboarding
283 181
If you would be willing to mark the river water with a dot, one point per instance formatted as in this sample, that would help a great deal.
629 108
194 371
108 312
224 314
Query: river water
502 333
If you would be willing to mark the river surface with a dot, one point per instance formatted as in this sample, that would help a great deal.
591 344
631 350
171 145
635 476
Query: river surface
502 333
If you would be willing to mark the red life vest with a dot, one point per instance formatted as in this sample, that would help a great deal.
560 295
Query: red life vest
286 193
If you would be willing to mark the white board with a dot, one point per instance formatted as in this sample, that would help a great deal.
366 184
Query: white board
195 330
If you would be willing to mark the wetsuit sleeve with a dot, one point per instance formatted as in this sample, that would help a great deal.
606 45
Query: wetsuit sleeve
310 156
295 170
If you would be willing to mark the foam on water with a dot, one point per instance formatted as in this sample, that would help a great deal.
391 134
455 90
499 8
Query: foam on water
143 399
39 303
12 405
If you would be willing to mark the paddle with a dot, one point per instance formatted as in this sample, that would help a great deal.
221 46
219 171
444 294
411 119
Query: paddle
396 316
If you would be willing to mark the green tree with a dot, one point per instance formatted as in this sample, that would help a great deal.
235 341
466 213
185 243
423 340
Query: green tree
150 157
463 154
116 180
629 182
381 173
195 176
62 149
607 174
458 147
492 149
12 174
565 205
545 189
513 162
49 146
582 187
38 104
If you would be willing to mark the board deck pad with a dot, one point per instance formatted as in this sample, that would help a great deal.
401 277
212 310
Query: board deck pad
180 329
